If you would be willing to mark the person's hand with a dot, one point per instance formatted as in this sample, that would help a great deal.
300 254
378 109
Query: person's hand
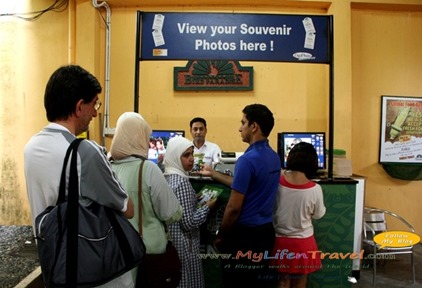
211 203
205 170
217 243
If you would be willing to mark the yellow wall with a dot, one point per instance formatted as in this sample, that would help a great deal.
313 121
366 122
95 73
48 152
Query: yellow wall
369 62
282 87
385 62
26 62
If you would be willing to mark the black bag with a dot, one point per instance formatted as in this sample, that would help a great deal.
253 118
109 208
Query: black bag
160 270
84 246
157 270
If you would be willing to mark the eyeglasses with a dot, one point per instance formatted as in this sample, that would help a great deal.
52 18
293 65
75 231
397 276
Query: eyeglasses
97 104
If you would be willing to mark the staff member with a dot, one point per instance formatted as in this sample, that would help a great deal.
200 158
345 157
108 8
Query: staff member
204 151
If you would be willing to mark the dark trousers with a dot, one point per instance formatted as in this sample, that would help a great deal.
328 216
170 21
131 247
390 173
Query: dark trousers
248 266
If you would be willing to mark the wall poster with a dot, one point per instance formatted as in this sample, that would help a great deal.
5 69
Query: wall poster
401 130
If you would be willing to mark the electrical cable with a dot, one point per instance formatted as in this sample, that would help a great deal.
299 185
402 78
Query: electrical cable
102 17
57 6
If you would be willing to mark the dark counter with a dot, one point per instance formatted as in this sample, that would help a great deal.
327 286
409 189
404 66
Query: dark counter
337 233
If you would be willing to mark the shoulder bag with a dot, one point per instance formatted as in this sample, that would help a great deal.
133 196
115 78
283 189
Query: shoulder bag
157 270
82 246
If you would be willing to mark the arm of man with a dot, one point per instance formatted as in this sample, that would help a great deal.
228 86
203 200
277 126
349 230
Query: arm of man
130 211
217 154
224 179
232 211
98 181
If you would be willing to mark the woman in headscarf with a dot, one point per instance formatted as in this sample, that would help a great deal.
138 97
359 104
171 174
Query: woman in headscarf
129 148
185 233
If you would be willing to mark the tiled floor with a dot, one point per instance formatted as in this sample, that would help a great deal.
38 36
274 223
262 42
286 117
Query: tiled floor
392 273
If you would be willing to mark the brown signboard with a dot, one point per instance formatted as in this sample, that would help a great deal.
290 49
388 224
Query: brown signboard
213 75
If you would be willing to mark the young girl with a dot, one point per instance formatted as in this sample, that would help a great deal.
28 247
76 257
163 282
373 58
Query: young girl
298 201
185 234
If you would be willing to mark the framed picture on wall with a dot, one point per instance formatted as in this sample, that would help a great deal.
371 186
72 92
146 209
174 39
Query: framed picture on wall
401 130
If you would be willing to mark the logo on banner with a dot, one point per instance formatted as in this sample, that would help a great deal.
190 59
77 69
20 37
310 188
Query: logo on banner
213 75
303 56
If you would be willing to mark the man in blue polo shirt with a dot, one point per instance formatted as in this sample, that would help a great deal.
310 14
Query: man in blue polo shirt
247 231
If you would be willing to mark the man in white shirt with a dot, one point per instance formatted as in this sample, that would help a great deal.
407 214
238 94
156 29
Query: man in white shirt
205 152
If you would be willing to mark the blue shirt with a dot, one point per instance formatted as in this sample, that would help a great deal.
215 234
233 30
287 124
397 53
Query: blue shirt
256 176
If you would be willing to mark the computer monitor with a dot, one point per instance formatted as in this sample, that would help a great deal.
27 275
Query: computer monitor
286 141
158 143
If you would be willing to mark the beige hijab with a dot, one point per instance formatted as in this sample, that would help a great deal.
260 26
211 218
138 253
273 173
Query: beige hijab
172 162
131 137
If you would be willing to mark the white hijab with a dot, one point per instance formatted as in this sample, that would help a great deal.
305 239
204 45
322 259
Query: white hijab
176 146
131 136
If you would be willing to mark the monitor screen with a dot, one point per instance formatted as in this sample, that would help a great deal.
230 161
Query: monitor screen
158 143
286 141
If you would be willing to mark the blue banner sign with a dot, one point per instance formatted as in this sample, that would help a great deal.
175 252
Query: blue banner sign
224 36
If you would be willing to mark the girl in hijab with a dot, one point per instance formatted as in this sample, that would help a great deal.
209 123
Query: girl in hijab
129 148
185 234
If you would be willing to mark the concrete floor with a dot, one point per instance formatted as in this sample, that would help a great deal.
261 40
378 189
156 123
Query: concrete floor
392 273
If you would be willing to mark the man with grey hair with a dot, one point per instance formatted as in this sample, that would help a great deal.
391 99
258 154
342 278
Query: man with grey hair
71 101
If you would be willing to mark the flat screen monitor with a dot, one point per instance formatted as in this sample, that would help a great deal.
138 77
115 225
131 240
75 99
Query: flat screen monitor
158 143
286 141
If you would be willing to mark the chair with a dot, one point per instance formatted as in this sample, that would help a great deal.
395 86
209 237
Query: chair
375 222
